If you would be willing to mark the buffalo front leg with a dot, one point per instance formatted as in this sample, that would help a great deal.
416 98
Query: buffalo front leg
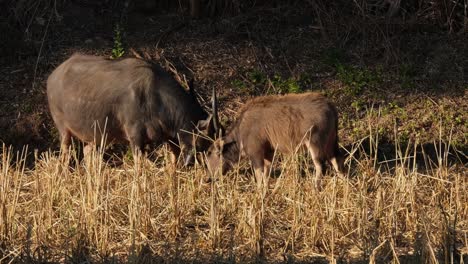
65 141
135 138
261 174
137 147
338 161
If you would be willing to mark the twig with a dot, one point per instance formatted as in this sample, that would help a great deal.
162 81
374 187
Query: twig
40 49
135 53
168 32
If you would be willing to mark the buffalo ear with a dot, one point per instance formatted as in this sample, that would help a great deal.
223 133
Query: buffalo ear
203 125
218 145
221 144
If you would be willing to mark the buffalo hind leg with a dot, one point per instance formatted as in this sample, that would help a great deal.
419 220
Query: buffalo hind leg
318 163
337 161
268 159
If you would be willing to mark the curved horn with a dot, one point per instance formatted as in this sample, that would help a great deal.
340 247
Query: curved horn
214 109
191 88
188 159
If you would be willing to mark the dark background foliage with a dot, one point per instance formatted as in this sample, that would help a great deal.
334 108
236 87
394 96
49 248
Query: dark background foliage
379 52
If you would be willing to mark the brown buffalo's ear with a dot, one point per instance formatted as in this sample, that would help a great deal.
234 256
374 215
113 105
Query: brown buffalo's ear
204 125
192 88
220 144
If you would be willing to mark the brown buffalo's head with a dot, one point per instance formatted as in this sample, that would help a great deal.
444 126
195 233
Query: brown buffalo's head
207 130
222 155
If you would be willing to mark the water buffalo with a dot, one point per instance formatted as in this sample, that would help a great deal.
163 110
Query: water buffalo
130 100
284 124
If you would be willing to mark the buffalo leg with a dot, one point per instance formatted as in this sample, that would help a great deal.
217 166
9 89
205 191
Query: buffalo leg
318 163
175 152
268 159
65 141
88 154
337 161
261 174
134 136
137 151
137 148
267 167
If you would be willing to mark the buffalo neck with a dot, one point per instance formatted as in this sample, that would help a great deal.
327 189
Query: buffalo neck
178 110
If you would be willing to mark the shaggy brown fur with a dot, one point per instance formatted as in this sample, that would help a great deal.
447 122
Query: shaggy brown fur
284 124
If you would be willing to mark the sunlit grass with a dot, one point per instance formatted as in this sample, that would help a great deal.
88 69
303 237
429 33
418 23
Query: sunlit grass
383 210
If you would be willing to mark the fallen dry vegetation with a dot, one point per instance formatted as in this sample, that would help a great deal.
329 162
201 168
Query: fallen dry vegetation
143 212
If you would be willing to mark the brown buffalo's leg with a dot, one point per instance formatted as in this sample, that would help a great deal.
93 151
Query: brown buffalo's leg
137 151
260 177
267 167
174 154
269 154
137 147
318 163
337 161
88 154
261 174
259 203
65 141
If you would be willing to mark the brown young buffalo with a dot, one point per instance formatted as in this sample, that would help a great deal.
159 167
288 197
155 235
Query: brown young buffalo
284 124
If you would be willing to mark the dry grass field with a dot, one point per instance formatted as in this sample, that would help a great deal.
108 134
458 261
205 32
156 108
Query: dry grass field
396 70
147 211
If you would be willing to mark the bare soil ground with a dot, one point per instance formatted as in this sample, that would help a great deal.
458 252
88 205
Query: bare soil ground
414 88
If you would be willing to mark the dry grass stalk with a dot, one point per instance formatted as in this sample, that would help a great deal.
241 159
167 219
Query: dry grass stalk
143 210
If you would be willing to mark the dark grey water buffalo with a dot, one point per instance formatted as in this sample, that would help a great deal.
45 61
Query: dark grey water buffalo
284 124
130 100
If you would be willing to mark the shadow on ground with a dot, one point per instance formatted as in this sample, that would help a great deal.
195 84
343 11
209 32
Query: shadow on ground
217 52
81 252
